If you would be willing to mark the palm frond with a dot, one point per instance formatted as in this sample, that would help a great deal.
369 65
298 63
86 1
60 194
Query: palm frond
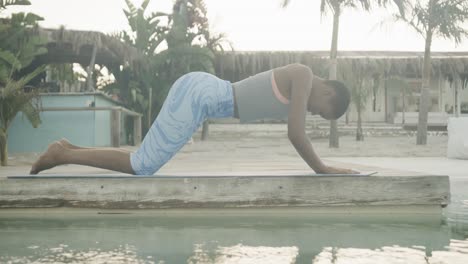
412 23
15 86
32 113
5 3
285 3
9 58
144 5
131 7
31 18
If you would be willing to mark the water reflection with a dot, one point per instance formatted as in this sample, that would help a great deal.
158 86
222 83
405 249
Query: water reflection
245 254
455 253
63 254
283 236
457 211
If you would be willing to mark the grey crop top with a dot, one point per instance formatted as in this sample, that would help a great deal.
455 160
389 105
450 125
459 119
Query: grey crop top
257 97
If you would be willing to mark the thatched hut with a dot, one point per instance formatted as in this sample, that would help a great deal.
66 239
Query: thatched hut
400 71
86 48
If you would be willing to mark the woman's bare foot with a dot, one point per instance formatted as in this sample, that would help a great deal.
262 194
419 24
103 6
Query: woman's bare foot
49 159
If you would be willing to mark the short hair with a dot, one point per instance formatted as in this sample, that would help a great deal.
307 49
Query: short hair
341 99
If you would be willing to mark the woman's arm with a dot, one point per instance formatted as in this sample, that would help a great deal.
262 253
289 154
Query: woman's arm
301 85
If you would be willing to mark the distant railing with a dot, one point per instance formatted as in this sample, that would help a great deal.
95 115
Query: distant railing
114 121
434 120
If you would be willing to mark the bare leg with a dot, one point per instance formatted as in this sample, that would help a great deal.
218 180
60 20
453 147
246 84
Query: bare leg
57 154
69 145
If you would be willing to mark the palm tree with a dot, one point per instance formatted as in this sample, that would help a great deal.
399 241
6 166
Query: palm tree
146 31
336 7
433 18
192 40
135 86
14 99
190 47
362 76
17 50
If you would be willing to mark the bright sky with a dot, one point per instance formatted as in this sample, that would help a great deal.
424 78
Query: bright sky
255 24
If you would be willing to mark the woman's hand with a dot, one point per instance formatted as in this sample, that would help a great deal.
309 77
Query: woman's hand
333 170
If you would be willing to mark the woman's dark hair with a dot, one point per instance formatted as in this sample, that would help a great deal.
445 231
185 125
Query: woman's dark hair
341 99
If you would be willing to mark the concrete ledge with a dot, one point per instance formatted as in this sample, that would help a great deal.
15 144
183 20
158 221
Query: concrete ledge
429 215
224 191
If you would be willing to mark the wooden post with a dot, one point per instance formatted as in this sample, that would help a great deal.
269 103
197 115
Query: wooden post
404 102
458 97
3 147
386 99
454 112
204 135
150 103
136 130
90 69
115 128
441 95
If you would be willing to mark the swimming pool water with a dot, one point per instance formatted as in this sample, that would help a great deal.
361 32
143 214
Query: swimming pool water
220 236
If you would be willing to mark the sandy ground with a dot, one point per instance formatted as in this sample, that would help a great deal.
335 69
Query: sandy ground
272 138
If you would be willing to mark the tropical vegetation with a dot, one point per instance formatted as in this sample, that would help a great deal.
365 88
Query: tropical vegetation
173 44
18 48
337 7
431 19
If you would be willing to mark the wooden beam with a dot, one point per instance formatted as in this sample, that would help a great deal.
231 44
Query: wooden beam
222 191
118 108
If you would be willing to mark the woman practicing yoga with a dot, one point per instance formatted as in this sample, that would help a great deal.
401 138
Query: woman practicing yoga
285 92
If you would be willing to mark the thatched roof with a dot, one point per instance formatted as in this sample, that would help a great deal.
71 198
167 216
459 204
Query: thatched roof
234 66
74 46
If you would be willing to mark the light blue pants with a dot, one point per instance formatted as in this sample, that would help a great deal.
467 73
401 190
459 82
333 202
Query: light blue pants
192 99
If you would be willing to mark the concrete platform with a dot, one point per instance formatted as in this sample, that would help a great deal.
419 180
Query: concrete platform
423 193
242 153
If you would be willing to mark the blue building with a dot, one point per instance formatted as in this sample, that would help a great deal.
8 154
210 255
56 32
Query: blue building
86 118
